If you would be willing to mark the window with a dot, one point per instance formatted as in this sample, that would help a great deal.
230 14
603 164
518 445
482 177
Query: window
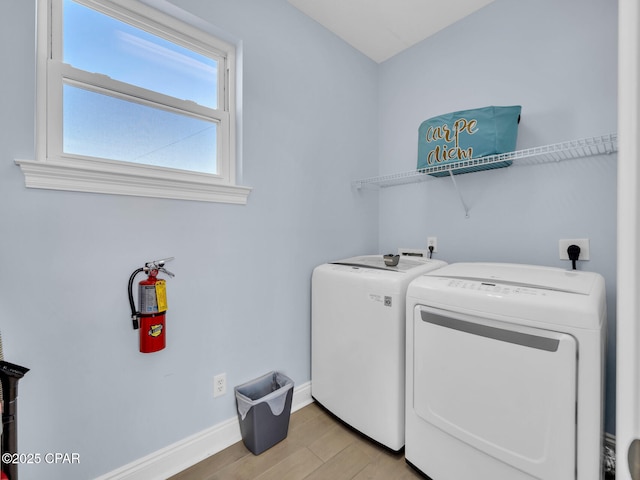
132 101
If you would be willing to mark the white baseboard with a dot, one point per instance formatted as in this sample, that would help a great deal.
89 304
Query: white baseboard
183 454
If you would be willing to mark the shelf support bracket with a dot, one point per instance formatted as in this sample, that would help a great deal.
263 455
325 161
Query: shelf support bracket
455 184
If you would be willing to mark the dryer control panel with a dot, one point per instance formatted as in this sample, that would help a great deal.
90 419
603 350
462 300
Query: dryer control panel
497 288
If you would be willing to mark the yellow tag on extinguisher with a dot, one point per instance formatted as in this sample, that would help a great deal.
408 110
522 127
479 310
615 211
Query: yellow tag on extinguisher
161 295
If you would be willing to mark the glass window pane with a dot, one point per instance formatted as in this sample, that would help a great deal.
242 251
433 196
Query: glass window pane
102 126
97 43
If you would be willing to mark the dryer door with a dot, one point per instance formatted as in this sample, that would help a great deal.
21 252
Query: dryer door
505 389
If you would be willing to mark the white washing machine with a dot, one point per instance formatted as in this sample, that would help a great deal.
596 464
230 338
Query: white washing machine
358 342
505 367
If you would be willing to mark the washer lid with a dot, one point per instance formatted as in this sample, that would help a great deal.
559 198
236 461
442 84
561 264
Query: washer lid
548 278
405 263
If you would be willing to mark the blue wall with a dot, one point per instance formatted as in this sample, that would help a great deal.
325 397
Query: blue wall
240 301
559 61
316 115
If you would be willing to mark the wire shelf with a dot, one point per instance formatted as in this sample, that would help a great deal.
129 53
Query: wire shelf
573 149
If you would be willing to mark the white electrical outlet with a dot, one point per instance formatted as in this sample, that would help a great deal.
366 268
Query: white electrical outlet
432 242
219 385
583 243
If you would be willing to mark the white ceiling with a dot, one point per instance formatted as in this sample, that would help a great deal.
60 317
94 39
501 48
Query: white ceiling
382 28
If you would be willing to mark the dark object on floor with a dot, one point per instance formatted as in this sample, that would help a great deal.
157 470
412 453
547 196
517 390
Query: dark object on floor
9 376
264 408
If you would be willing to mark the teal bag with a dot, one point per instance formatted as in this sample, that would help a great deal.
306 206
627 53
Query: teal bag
459 136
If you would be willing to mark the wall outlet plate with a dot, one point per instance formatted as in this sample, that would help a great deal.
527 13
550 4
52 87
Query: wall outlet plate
432 242
583 243
219 385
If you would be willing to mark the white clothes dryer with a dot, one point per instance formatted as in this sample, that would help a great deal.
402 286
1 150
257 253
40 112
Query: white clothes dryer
358 342
505 368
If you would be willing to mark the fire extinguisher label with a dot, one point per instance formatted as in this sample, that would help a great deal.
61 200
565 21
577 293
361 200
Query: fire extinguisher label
161 295
148 299
155 330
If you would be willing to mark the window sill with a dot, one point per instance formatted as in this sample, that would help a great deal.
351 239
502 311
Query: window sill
129 179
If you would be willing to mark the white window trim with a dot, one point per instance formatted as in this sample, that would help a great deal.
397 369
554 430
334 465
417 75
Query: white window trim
58 172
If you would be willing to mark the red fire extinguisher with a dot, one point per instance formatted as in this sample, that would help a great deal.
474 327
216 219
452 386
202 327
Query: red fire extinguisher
152 300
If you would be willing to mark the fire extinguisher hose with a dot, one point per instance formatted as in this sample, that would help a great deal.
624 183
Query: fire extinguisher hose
134 313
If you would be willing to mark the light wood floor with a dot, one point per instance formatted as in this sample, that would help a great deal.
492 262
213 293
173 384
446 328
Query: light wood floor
317 447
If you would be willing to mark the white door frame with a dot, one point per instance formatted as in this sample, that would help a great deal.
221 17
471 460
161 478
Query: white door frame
628 243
